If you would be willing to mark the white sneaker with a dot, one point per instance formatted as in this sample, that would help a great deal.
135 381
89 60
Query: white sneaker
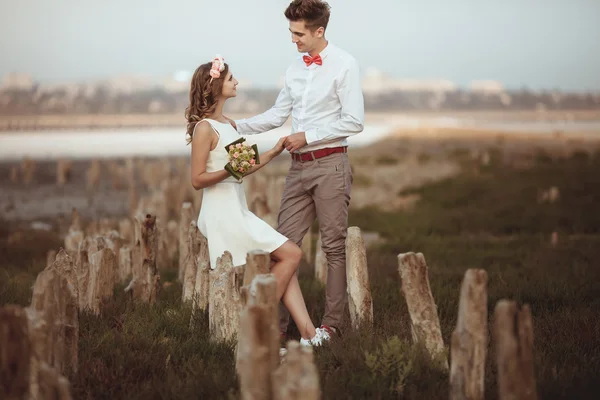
320 337
305 342
282 352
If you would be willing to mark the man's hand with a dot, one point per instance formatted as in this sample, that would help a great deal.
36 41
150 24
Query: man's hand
295 141
232 122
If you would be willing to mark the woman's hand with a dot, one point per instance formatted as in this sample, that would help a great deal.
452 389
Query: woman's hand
279 146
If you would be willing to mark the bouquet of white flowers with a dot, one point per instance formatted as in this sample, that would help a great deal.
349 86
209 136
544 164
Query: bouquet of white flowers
242 157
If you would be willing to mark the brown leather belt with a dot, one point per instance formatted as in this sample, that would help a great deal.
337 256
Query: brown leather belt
313 155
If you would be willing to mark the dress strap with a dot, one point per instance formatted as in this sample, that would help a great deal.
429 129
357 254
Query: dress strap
211 125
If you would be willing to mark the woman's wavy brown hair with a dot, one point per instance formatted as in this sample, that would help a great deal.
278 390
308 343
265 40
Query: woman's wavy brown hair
204 95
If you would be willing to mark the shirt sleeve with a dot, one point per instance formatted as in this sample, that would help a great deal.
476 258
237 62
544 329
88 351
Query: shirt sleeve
352 115
270 119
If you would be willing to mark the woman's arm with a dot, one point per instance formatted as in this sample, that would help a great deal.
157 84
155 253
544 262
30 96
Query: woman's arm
267 156
203 141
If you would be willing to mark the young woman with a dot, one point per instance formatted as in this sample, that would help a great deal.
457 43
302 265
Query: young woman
224 218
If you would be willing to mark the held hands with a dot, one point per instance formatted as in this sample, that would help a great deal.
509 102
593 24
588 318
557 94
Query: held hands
279 146
295 141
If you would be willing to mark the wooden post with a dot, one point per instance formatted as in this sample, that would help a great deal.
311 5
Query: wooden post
225 303
202 282
297 378
258 345
320 262
27 170
56 298
360 301
14 174
75 235
470 339
83 277
63 171
425 323
513 338
257 262
171 242
190 266
146 280
184 222
15 353
103 268
50 257
93 175
52 385
126 230
125 264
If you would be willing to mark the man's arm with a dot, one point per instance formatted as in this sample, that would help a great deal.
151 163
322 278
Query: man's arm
352 118
270 119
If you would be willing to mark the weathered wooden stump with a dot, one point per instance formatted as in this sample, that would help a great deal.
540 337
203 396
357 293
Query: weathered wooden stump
75 235
93 175
63 171
425 323
125 264
225 302
126 230
190 266
50 257
513 338
297 378
24 371
14 174
15 353
320 262
257 262
258 344
360 301
55 295
185 218
52 385
171 242
102 277
202 282
470 339
27 170
145 283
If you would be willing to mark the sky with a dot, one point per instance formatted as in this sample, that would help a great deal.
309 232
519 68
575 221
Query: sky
538 44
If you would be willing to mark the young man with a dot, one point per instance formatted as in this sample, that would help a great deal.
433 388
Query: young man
322 93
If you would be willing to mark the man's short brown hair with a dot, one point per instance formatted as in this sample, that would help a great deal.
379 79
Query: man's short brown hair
314 13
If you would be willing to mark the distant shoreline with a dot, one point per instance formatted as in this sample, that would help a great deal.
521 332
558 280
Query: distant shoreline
150 121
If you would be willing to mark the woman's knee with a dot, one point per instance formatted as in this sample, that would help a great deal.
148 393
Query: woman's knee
289 252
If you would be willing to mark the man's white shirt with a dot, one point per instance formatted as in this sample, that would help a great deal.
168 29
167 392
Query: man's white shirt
325 101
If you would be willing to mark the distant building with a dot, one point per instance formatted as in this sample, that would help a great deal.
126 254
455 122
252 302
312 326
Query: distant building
377 82
487 86
17 81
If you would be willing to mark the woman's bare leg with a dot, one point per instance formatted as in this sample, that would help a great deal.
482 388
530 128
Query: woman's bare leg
287 258
294 302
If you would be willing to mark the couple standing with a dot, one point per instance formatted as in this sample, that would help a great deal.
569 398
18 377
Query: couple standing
322 93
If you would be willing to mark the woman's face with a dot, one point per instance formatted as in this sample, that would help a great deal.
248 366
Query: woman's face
229 86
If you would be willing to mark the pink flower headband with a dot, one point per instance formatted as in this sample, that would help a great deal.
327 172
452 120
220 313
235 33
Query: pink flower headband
218 66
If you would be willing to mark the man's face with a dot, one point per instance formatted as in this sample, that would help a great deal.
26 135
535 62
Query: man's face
303 38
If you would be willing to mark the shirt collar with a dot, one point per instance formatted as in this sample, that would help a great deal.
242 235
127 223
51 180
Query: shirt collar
325 51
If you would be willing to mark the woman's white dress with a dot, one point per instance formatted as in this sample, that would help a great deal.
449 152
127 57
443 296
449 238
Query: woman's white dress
224 217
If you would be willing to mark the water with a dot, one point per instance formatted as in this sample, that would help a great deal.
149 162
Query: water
134 142
171 141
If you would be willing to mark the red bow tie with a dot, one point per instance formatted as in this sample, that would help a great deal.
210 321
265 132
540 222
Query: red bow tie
309 60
